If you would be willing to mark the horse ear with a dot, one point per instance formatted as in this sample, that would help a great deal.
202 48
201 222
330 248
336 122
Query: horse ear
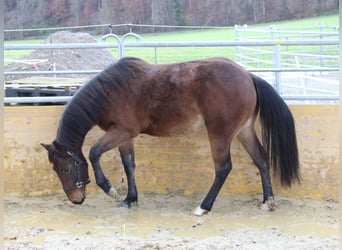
58 147
46 146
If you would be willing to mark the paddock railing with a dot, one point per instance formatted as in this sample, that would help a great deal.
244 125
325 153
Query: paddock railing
276 74
301 56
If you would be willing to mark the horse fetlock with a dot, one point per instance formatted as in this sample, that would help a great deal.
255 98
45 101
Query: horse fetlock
104 185
112 193
200 211
128 202
268 205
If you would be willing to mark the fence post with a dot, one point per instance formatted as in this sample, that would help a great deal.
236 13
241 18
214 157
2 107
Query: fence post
155 55
116 37
321 30
237 38
122 47
276 59
121 41
245 38
277 65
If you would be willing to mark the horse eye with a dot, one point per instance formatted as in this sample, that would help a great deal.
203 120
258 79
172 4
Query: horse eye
77 163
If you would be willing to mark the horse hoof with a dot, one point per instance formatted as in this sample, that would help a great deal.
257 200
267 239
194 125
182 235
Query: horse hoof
199 211
125 204
112 192
128 204
268 205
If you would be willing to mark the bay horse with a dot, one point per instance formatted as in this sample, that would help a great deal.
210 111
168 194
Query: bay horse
133 97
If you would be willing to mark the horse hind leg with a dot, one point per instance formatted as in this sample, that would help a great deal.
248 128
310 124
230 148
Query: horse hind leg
221 155
251 143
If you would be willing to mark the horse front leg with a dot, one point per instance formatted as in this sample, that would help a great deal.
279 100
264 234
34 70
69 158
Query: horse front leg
101 179
127 156
109 140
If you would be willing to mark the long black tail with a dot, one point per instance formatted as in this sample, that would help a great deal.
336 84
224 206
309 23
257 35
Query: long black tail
278 132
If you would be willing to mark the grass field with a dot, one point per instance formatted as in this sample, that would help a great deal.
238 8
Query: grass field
178 54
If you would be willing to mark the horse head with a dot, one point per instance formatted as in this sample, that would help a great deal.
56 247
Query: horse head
72 170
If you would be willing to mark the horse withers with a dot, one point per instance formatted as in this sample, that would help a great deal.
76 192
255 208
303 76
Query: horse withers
133 97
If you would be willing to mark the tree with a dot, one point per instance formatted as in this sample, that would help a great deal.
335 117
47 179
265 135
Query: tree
178 13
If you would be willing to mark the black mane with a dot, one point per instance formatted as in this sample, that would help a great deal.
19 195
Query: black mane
86 108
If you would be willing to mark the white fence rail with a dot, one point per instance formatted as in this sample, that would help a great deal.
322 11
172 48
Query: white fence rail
279 73
305 56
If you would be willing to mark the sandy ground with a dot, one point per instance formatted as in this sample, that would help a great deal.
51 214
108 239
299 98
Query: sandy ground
166 222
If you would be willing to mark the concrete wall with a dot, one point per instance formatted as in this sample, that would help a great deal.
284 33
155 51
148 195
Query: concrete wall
165 165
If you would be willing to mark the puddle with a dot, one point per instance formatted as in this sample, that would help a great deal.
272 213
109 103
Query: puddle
37 219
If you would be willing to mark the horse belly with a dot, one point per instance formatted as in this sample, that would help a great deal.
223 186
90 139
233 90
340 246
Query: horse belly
191 127
176 126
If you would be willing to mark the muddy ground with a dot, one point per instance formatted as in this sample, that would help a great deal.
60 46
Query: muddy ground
166 222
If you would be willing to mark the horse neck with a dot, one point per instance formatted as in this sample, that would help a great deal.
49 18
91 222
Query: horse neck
73 127
84 111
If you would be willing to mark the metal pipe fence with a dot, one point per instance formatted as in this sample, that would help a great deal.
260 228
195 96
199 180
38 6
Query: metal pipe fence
302 56
276 52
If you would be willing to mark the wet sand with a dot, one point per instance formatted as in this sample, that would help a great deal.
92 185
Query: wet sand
167 222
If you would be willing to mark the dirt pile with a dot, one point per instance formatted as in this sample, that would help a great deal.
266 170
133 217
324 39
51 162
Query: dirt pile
64 59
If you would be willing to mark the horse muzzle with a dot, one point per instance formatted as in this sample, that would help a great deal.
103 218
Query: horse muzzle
77 196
